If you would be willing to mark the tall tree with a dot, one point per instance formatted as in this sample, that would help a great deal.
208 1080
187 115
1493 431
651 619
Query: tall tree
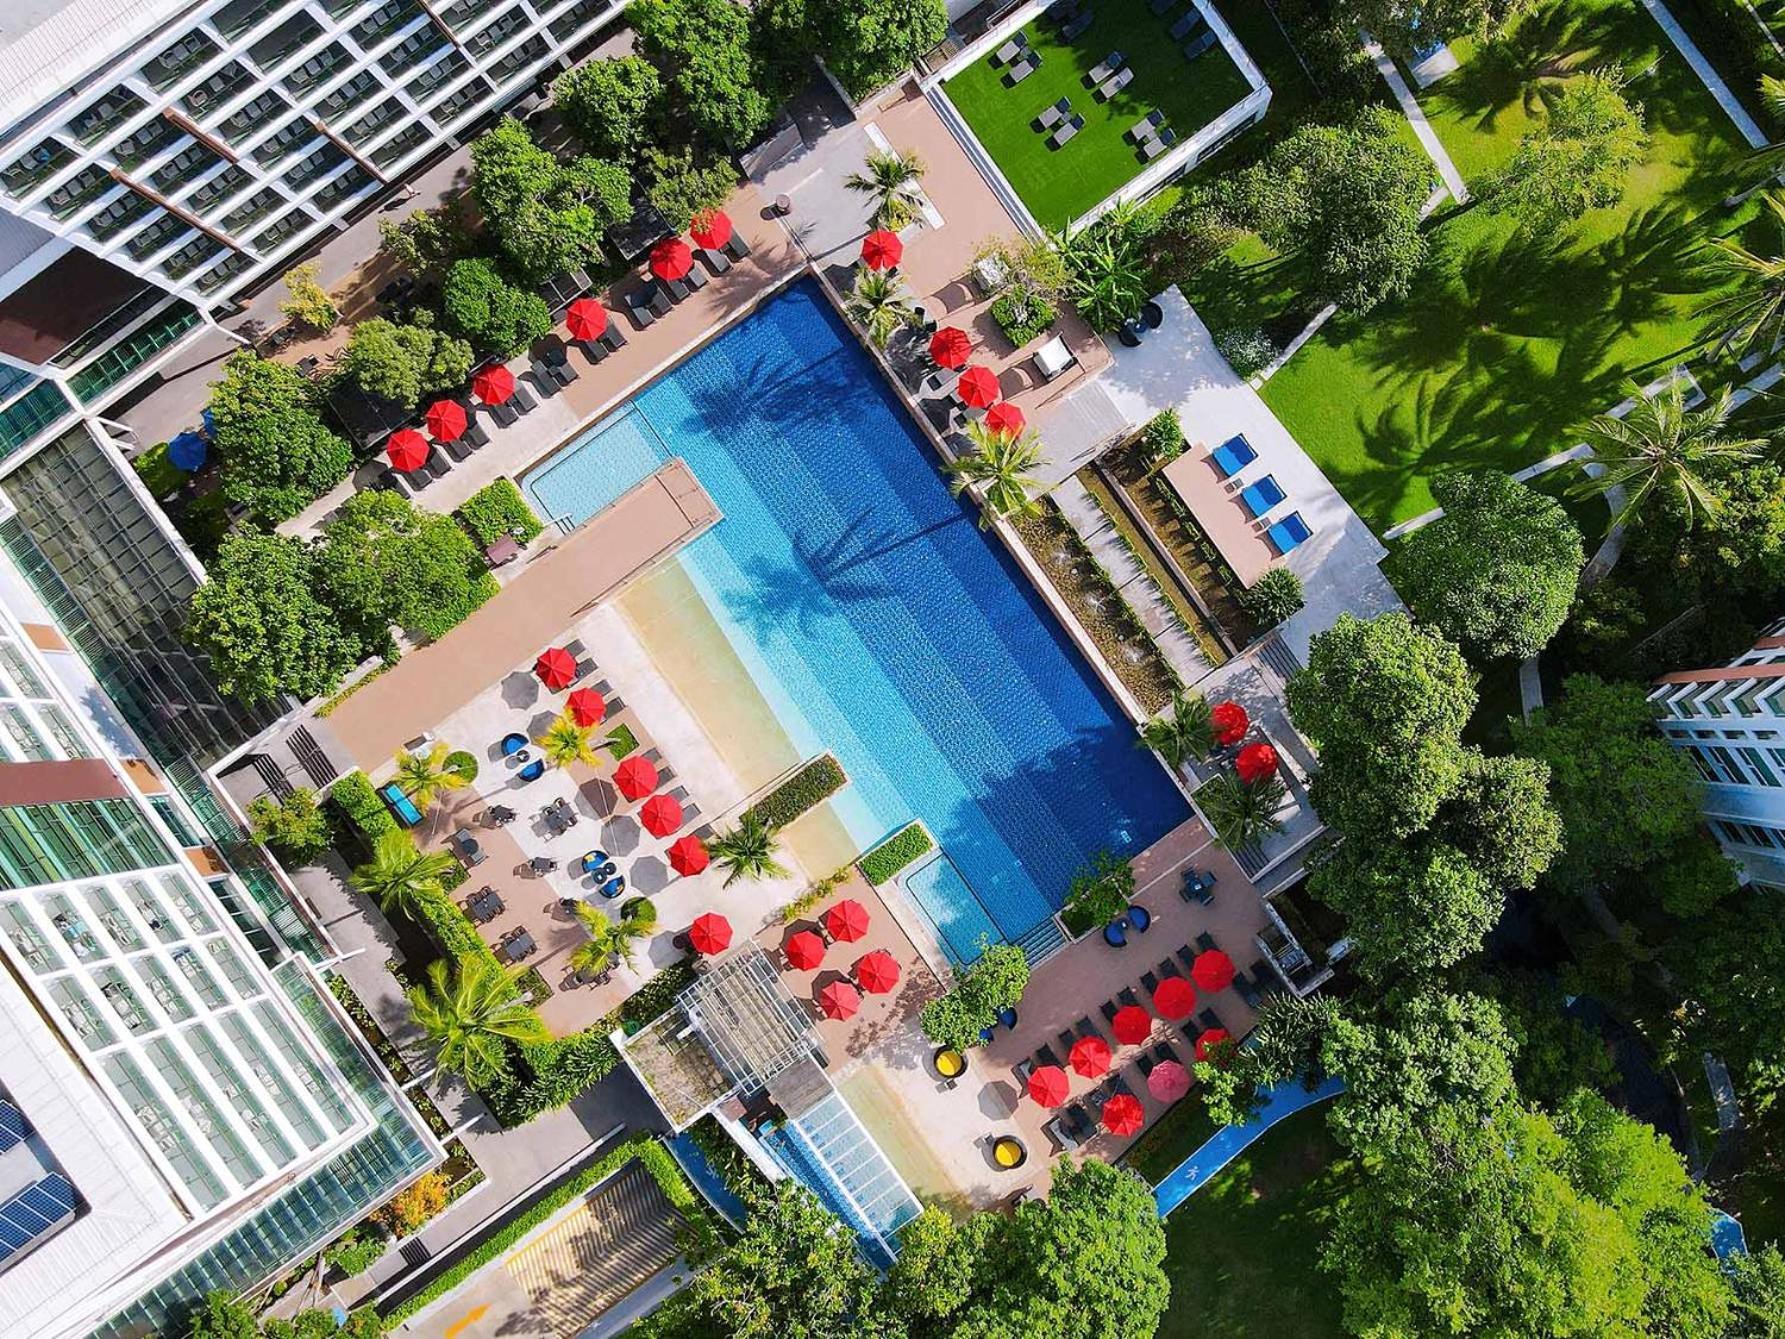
384 560
1662 449
425 775
1412 908
748 850
890 180
404 362
1406 28
1500 817
706 52
1729 966
1386 702
611 104
402 878
548 215
1578 160
470 1016
1242 813
880 304
1758 1311
1000 463
1497 571
276 453
494 315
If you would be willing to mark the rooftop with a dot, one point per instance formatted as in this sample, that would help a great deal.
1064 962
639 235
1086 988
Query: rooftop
46 46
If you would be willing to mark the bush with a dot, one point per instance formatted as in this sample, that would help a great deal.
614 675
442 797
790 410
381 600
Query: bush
810 786
681 184
356 1252
1022 315
157 472
1162 439
741 1176
359 804
309 303
496 510
800 905
486 309
1249 350
896 852
462 764
1099 893
406 1211
293 827
1273 597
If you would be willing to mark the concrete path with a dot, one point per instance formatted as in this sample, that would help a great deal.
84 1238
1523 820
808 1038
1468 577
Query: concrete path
1422 128
1530 687
1132 580
1707 74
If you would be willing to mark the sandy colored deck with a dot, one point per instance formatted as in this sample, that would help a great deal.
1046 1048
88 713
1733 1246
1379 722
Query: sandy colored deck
1214 500
560 582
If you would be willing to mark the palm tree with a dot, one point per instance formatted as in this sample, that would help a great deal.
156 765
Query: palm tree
423 776
566 742
879 304
1000 464
1752 314
1184 735
1768 161
401 877
1106 272
891 178
1661 446
470 1015
610 937
1242 814
748 851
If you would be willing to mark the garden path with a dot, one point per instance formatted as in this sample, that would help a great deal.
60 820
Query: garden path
1422 128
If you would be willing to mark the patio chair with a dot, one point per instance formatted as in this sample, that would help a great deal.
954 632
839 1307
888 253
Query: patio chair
1075 28
1199 44
1181 30
1163 1052
1044 1055
1243 987
1114 85
640 306
1066 130
1079 1120
458 448
1164 140
593 349
1011 49
1053 358
1233 455
1145 128
1126 996
716 261
1052 115
1289 533
1062 1137
1025 67
563 373
1109 1009
1207 1019
523 400
1205 942
695 279
1261 495
613 338
1103 69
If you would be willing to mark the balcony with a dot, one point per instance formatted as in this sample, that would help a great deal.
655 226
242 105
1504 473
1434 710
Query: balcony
239 16
412 50
118 215
461 14
278 46
38 409
214 92
319 69
318 163
78 191
130 353
441 73
222 272
494 36
183 56
184 168
521 60
199 251
281 232
245 122
384 23
290 138
350 183
24 175
156 236
219 188
576 18
101 118
368 128
457 103
251 211
150 140
349 96
402 145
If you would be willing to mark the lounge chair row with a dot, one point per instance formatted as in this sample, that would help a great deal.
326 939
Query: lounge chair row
442 457
1262 495
660 295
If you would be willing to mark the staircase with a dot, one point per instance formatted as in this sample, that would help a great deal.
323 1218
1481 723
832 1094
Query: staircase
1041 943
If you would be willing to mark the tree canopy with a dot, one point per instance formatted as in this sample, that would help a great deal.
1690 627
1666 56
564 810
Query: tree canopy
1405 27
383 560
1578 160
611 104
548 215
404 362
1499 815
1496 573
1729 965
494 315
710 66
1412 907
277 455
993 982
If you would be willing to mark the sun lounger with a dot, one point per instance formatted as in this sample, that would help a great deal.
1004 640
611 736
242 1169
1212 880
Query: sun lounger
1205 942
1065 1038
639 305
1261 495
1207 1019
543 378
695 279
1115 84
1187 956
1233 455
676 288
1149 982
1104 68
437 464
474 432
1163 1052
1168 968
1052 116
716 261
1199 44
1248 992
1109 1009
1044 1055
1066 131
1062 11
1289 533
1162 7
1018 44
1079 1120
593 349
1181 30
1053 358
1086 1028
1126 996
1075 28
523 399
458 448
659 297
1025 67
1145 128
1158 144
736 247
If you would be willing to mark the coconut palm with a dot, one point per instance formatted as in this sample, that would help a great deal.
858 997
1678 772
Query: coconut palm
425 775
1242 814
1185 735
891 178
610 937
879 304
747 851
1752 314
566 742
1768 161
1000 465
1663 447
470 1015
402 878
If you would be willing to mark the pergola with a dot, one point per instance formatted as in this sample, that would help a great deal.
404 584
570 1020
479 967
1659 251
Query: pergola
747 1019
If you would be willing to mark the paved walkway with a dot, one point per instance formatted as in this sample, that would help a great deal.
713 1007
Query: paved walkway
1707 74
1422 128
1131 578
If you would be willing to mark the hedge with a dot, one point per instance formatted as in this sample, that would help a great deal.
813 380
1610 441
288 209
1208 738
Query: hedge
437 622
643 1147
896 852
810 786
354 796
496 510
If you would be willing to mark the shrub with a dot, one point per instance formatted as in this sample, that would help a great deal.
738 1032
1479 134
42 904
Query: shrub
356 1252
496 510
741 1176
1022 314
1099 893
1162 439
652 1000
309 303
896 852
810 786
158 473
1273 597
635 907
406 1211
814 895
293 827
463 764
1249 350
359 803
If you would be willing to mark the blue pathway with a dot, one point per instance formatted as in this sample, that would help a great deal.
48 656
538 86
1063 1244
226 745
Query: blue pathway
1228 1143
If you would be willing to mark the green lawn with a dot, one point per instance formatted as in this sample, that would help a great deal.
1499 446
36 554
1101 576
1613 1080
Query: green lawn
1510 341
1060 184
1242 1252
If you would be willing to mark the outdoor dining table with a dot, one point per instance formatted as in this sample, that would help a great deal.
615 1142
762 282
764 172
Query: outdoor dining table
486 905
519 945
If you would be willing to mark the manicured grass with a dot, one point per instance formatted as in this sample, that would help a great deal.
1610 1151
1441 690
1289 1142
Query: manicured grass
1060 184
1242 1253
1171 1139
1511 341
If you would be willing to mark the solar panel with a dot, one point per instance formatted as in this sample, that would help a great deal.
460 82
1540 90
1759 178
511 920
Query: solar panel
33 1211
13 1126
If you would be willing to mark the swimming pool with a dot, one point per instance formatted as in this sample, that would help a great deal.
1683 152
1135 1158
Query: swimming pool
877 620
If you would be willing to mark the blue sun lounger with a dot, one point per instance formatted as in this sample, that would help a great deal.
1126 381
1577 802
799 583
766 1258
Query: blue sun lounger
1288 533
1233 455
1264 494
400 804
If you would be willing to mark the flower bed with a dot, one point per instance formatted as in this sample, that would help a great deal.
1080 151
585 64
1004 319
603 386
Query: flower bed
811 785
895 853
359 803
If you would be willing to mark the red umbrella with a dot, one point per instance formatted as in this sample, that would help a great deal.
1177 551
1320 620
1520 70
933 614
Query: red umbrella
586 707
1123 1115
586 319
556 668
710 933
881 249
688 855
804 950
847 921
839 1000
1005 419
1256 761
671 259
493 385
978 387
712 229
1089 1057
636 777
1174 999
1230 722
407 449
661 815
877 972
950 347
1132 1025
1212 971
445 420
1210 1039
1049 1085
1169 1080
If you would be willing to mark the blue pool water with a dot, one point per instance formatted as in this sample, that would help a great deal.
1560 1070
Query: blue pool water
877 620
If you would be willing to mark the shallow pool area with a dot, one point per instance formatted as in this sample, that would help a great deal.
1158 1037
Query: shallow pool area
878 621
